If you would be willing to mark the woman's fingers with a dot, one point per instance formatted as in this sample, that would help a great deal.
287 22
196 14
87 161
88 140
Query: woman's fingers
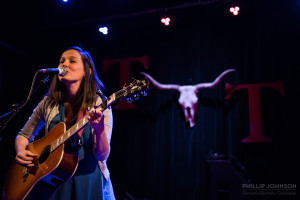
29 153
95 114
26 155
23 162
25 158
96 119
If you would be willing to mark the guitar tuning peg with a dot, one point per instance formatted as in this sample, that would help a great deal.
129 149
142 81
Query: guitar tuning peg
136 97
129 100
143 93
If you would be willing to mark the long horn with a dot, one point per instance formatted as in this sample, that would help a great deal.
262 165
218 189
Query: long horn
159 85
215 83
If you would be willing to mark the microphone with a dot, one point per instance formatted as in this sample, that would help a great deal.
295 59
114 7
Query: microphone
61 71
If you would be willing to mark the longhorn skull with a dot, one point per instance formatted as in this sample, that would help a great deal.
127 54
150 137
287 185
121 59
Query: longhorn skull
188 94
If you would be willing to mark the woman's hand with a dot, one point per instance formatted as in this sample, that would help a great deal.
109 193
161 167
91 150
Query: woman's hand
96 119
25 158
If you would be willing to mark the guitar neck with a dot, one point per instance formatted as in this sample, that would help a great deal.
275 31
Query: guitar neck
69 133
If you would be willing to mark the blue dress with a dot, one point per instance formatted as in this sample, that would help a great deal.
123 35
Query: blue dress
88 181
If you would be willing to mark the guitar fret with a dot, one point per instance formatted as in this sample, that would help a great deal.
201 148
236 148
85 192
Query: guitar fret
71 130
119 94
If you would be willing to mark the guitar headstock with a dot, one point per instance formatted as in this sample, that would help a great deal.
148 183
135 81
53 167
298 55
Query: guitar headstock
133 91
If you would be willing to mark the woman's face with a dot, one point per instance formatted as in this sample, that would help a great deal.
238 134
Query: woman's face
71 60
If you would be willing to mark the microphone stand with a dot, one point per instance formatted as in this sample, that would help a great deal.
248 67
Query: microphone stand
6 118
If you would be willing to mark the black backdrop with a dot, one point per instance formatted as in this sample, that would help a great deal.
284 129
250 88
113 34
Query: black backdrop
155 154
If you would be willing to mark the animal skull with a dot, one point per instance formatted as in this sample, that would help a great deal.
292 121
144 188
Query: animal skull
188 98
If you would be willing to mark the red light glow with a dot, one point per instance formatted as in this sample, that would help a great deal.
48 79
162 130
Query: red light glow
234 10
166 21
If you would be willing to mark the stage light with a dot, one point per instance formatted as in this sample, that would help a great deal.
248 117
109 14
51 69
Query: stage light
234 10
65 1
166 21
103 30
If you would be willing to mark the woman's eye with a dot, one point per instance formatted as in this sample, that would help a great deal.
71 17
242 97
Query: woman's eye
72 61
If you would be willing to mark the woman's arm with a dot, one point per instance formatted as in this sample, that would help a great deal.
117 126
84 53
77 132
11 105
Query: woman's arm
102 125
30 129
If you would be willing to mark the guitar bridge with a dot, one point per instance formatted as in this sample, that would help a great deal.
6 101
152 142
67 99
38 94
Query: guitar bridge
30 170
25 174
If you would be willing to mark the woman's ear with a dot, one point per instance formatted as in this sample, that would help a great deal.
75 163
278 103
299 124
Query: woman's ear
90 71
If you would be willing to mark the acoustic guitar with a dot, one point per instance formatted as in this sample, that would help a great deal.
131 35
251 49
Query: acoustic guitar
57 161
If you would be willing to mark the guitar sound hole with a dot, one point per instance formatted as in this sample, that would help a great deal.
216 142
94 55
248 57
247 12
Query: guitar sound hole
45 154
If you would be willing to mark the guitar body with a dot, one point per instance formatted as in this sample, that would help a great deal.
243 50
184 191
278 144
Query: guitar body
51 170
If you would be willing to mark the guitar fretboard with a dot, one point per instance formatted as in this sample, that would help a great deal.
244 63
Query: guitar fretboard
71 131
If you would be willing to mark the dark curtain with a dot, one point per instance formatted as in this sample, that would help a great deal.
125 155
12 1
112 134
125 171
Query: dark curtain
154 152
162 157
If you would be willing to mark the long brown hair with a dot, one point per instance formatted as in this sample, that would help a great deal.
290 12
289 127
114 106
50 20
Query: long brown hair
86 95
